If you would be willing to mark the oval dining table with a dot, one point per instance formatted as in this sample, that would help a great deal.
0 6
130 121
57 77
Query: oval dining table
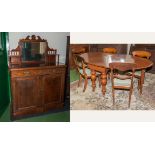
99 62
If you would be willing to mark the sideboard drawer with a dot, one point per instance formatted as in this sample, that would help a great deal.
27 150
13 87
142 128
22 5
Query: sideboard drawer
36 72
24 73
55 71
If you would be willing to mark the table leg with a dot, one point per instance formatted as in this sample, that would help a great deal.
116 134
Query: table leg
93 79
103 82
103 77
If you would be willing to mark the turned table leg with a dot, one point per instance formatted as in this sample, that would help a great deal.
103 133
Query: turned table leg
103 77
103 82
93 79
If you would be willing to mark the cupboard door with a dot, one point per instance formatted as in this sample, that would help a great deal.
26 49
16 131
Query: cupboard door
26 96
53 91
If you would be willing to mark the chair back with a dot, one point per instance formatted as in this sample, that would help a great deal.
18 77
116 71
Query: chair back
78 50
142 54
111 50
119 69
80 64
123 79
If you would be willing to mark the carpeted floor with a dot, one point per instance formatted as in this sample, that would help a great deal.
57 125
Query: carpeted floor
96 101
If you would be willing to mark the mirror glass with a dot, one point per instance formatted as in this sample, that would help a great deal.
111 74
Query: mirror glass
33 51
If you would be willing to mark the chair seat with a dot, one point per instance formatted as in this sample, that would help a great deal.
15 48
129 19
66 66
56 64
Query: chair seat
118 82
138 72
88 71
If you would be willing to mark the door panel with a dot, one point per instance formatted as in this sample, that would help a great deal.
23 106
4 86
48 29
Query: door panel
26 97
53 91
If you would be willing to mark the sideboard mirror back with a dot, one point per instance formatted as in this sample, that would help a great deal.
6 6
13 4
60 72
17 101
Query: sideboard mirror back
33 51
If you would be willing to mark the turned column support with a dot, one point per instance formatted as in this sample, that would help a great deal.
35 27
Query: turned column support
103 82
103 77
93 79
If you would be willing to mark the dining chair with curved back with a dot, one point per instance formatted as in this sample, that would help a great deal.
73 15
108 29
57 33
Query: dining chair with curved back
121 80
78 50
83 71
140 74
142 54
110 50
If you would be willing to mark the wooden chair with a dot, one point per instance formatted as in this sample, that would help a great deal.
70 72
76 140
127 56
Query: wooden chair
140 74
142 54
79 50
119 78
83 71
76 50
110 50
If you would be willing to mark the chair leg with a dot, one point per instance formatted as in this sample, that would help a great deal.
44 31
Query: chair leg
113 96
138 84
99 80
108 75
142 80
141 86
85 85
80 79
130 97
142 76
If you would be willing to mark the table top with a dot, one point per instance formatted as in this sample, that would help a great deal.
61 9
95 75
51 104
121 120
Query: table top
104 59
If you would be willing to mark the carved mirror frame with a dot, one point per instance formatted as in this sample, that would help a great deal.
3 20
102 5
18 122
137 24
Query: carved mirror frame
15 55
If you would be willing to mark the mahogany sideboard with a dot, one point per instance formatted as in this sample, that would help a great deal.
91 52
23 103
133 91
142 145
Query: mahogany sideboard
37 78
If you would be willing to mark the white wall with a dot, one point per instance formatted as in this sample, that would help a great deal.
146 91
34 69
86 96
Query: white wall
55 40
